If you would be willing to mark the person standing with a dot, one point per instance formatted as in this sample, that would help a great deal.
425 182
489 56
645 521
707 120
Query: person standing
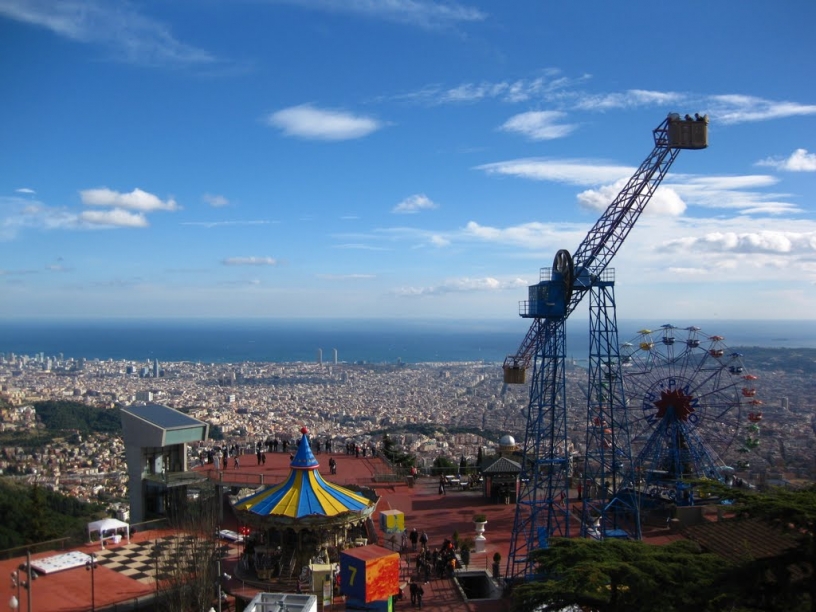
414 537
413 590
419 593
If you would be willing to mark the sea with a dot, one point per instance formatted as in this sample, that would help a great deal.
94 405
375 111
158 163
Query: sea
369 341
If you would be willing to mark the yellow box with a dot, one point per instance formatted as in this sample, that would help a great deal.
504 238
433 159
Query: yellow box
392 521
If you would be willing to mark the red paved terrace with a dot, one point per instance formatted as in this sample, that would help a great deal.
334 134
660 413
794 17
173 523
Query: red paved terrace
424 508
439 516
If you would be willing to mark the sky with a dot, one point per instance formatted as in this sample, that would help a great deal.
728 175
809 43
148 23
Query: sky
397 159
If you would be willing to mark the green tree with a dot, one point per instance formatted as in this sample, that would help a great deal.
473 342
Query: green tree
618 575
785 581
396 455
443 465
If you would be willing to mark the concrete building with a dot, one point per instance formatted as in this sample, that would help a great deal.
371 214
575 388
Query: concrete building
156 439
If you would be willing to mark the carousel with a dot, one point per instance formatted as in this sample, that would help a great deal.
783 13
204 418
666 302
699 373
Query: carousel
302 519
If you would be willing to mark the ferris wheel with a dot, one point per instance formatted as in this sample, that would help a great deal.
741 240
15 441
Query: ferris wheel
693 410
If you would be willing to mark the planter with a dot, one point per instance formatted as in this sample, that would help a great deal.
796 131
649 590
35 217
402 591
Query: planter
480 526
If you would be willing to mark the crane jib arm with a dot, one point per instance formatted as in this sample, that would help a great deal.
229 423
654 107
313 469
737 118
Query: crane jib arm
560 291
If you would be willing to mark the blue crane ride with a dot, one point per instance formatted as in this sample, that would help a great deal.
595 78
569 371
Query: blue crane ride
542 508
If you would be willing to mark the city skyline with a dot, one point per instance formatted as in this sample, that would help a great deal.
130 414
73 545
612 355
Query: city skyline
301 158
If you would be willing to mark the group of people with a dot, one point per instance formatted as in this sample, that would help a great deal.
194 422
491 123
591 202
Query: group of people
439 562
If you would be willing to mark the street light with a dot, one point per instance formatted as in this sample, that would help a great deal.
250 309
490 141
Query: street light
90 566
19 581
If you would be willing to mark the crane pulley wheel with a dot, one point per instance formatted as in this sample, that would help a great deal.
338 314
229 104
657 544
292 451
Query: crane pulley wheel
563 266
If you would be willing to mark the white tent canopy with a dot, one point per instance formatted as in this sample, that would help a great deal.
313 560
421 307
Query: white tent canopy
107 528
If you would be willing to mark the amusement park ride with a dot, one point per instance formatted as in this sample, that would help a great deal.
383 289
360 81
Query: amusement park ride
542 509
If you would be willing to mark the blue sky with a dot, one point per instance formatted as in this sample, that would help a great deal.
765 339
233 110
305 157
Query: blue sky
399 159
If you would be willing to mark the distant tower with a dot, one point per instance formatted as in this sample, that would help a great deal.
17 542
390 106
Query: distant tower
334 352
155 368
319 356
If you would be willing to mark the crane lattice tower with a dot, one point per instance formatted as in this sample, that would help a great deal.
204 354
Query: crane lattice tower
542 508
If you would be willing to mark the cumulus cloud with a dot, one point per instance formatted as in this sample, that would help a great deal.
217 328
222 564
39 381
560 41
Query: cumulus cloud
114 218
798 161
533 235
215 200
250 261
570 171
135 200
306 121
464 285
770 241
539 125
414 204
664 201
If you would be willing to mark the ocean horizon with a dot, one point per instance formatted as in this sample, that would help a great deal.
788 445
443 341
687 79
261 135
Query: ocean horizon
371 341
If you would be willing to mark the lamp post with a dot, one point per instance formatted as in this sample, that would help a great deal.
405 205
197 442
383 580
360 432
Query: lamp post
90 566
22 582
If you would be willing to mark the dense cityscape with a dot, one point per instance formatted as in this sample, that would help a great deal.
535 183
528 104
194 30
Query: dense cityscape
252 402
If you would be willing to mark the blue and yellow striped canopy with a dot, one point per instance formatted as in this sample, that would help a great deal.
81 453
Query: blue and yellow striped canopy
304 493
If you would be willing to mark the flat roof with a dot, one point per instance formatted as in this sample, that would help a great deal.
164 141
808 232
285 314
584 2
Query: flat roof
162 416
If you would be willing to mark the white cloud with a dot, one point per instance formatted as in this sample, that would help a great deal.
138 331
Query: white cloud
664 201
135 200
539 125
735 108
113 218
23 213
549 87
250 261
464 285
632 98
211 224
426 14
798 161
573 172
344 277
358 246
770 241
215 200
533 236
732 192
439 241
25 190
114 24
306 121
414 204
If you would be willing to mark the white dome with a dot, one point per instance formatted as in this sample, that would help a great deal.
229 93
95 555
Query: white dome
507 440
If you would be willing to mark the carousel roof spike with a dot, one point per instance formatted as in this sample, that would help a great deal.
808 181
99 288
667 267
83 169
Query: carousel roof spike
304 459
